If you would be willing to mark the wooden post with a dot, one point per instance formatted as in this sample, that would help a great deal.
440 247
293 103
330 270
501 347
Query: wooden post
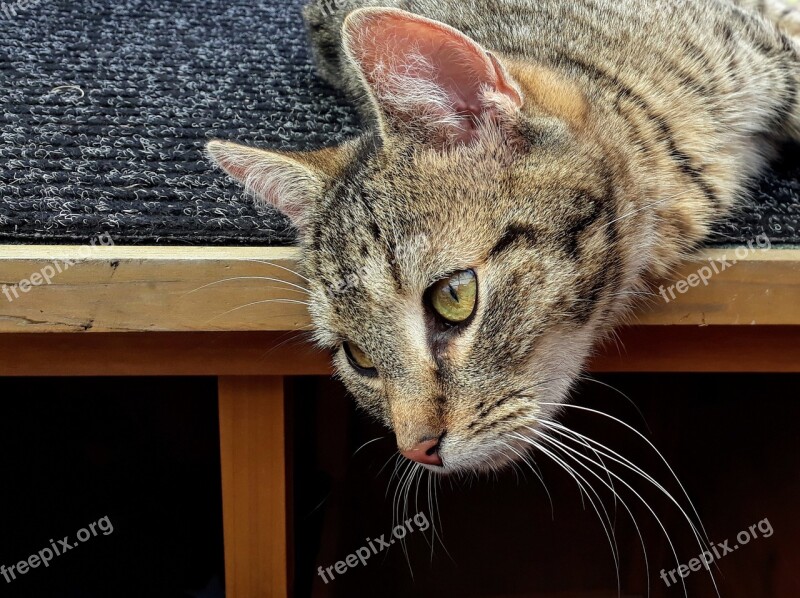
254 486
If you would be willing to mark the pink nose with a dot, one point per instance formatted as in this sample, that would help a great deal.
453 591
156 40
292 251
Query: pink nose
426 452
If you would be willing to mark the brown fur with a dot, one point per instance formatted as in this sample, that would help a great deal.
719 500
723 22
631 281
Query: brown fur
609 136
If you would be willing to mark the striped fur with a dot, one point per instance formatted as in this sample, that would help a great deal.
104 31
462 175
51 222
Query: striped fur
641 122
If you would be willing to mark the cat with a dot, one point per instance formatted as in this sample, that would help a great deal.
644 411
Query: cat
529 168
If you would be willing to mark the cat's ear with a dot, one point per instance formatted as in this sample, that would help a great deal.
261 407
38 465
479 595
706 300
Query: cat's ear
291 182
426 77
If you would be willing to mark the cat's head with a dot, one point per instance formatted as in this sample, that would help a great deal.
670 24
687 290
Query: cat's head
462 256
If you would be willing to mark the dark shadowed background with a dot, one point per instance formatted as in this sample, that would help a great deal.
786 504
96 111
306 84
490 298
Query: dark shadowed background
145 453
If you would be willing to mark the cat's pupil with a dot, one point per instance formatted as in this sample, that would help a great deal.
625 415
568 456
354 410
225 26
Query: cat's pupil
453 299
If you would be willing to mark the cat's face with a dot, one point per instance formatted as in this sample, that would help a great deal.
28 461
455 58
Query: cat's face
459 269
458 305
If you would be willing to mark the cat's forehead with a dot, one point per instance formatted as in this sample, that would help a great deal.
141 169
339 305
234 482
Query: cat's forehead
393 200
394 250
373 259
408 202
398 217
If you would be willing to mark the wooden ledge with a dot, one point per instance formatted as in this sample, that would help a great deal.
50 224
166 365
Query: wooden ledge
754 349
209 289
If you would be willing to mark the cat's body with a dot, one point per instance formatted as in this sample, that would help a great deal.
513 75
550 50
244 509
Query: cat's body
682 88
585 152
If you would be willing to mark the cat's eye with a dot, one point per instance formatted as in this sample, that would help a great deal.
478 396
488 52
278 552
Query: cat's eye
359 359
455 298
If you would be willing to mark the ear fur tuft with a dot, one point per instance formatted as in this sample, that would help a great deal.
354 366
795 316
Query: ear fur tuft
276 179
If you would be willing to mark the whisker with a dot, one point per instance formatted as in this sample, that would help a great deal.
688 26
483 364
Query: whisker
651 445
398 466
580 481
547 423
436 481
274 265
396 457
287 301
588 378
295 288
619 459
398 491
319 505
518 471
294 336
415 470
610 486
648 206
639 496
433 521
367 443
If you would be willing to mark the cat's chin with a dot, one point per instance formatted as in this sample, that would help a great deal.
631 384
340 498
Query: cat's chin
492 457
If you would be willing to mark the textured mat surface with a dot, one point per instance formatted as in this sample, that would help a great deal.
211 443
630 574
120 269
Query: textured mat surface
105 106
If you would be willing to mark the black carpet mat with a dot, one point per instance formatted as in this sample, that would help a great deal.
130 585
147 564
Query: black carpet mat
105 106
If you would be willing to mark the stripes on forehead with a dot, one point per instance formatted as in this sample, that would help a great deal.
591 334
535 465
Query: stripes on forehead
593 207
384 240
350 218
590 206
353 182
516 233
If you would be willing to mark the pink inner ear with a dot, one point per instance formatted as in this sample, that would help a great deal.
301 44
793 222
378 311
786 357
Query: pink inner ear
236 171
390 42
460 70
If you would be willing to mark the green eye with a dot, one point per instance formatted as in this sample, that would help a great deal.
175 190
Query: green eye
454 298
358 359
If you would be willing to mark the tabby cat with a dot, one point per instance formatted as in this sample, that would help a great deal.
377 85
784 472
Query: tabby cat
531 166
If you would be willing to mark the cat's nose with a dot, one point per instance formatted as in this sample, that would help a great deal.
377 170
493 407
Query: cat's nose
425 452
